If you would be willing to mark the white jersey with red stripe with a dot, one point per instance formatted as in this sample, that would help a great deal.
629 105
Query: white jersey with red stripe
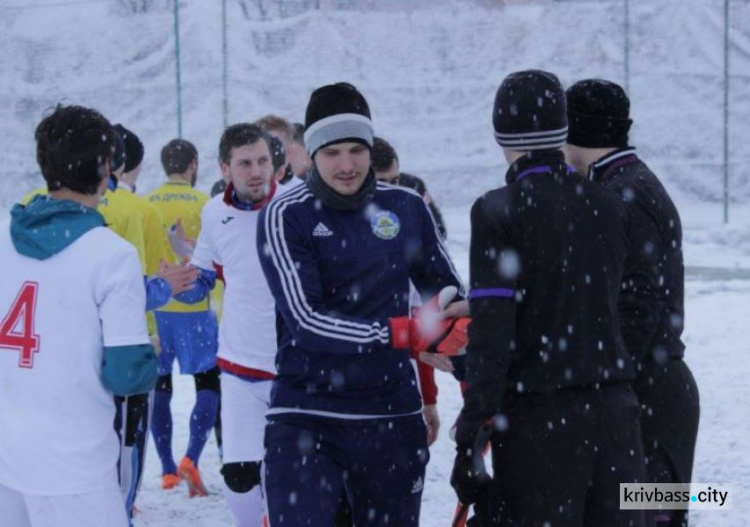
247 332
58 314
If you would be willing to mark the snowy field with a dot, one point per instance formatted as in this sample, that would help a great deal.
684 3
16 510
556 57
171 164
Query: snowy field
430 76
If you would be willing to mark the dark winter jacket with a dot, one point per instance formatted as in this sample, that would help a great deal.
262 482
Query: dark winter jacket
415 183
546 260
652 296
337 277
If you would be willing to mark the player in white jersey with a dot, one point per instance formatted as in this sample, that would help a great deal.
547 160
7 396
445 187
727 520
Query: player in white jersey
247 332
72 334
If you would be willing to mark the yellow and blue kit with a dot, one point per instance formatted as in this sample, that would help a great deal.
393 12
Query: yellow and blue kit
188 332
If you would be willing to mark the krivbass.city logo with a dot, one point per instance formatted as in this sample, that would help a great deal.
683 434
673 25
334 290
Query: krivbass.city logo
675 496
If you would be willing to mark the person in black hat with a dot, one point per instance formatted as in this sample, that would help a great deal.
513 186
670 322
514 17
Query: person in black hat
133 150
652 295
548 376
387 169
339 253
141 223
278 158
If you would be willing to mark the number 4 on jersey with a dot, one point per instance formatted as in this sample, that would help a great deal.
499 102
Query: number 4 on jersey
17 328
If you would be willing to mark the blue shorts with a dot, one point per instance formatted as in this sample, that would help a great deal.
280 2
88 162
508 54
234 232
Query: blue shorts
191 338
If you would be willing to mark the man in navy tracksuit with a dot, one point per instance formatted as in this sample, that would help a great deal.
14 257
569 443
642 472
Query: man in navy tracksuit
652 295
339 253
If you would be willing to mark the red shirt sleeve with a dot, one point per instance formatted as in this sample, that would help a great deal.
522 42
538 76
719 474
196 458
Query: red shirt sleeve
219 272
427 383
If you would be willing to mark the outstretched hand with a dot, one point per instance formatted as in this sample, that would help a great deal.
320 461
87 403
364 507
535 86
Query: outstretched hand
182 246
456 310
181 277
437 361
432 421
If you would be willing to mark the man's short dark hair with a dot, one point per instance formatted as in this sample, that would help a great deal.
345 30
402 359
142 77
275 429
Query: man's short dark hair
73 146
177 155
240 135
382 155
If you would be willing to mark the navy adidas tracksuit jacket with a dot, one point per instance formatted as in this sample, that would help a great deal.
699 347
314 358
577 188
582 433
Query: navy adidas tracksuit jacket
345 420
337 277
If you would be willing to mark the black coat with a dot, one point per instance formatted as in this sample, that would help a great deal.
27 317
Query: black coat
546 263
415 183
652 299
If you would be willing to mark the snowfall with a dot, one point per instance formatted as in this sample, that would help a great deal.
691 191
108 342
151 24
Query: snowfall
429 70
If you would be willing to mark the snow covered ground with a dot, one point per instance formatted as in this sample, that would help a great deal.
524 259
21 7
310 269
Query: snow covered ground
430 74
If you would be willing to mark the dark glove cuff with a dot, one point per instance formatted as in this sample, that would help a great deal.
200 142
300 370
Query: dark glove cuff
473 433
467 432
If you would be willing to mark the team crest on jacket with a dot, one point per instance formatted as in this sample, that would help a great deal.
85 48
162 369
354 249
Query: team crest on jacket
385 225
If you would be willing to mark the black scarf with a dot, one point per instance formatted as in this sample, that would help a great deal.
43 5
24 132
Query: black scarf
331 198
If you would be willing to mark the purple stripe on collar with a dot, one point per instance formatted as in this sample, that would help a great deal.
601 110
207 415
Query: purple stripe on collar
627 160
502 292
533 170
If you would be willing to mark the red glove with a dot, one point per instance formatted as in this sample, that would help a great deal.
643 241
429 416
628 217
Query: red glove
454 343
426 330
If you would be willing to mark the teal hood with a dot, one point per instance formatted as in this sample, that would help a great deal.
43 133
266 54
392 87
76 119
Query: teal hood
46 226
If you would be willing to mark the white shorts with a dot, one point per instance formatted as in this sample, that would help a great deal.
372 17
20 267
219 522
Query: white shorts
244 405
94 509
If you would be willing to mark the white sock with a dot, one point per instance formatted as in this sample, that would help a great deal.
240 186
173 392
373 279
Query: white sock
247 508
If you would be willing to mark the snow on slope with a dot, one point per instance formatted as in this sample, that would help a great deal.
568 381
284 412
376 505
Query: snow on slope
430 76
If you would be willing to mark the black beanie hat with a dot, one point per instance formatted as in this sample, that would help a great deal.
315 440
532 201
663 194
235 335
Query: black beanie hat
118 152
337 113
529 112
599 114
133 147
278 153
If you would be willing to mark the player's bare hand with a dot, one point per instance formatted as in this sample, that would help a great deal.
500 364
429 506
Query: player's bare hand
437 361
181 244
456 310
432 421
181 277
156 343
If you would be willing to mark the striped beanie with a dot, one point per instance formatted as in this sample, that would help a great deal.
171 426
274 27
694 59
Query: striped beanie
529 112
337 113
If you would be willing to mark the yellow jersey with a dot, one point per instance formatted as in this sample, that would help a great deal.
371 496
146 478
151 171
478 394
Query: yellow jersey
41 191
178 200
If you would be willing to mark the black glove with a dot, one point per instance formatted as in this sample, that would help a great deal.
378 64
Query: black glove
469 477
241 477
459 367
